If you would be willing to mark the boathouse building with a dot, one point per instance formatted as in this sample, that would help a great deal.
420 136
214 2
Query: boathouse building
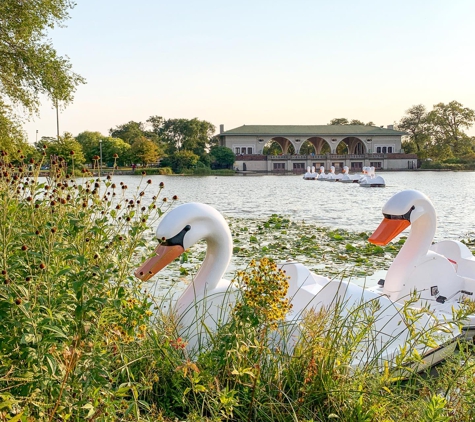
354 146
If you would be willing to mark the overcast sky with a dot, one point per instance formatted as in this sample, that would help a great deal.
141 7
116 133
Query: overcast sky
262 61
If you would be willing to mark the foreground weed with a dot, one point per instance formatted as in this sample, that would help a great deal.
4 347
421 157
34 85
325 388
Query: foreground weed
70 310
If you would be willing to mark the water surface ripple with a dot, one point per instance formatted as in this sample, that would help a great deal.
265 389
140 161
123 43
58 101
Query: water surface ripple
335 205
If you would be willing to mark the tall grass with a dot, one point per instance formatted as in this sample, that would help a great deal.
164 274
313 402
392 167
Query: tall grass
81 340
70 310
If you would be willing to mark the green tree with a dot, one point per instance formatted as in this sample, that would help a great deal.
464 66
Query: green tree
132 131
274 148
183 160
342 148
29 65
448 122
344 121
339 121
66 147
144 151
416 124
222 157
185 134
115 150
307 148
12 139
90 144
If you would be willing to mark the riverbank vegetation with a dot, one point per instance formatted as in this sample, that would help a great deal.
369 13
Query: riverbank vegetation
438 136
82 339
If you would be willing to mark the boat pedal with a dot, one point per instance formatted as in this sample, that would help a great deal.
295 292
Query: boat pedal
465 292
381 282
434 291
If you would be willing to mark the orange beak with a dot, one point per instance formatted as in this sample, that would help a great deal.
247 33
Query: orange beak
164 255
387 231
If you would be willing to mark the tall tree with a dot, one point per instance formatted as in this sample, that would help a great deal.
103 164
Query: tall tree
114 150
12 139
416 124
344 121
448 122
144 151
185 134
90 144
29 65
156 123
339 121
66 147
132 131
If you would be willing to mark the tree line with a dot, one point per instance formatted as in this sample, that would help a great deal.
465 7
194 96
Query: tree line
31 70
180 144
437 136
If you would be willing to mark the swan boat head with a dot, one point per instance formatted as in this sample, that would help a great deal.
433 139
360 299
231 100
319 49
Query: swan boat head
416 266
181 228
203 300
402 210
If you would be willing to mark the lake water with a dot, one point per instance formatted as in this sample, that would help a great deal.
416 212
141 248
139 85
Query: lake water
335 205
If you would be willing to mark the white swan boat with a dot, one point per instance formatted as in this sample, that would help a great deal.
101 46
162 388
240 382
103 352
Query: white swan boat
331 176
206 300
321 175
371 180
346 177
442 274
364 174
310 174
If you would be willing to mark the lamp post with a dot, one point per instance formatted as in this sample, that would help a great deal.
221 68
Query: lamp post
100 155
57 121
36 140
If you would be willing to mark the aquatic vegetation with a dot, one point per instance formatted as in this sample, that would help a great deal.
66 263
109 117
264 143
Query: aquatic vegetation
331 253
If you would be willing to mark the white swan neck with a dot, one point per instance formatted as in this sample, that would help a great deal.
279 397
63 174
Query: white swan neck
218 256
414 251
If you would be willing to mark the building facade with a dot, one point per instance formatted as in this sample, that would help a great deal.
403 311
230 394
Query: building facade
355 146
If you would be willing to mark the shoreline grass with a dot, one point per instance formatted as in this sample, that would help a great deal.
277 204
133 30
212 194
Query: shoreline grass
82 340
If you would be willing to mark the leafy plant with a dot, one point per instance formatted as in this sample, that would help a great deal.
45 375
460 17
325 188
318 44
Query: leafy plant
70 308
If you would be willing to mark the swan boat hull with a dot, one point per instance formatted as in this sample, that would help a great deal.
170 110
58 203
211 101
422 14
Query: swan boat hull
389 333
372 185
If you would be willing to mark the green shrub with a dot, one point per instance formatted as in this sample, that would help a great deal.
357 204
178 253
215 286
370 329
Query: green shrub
70 309
201 171
223 172
165 170
153 170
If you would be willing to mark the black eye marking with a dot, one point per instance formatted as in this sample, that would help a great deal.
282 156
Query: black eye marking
178 239
406 216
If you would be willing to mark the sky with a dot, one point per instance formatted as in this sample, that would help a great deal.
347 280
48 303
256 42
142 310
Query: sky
261 61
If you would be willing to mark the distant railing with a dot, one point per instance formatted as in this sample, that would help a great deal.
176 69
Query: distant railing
325 157
320 157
